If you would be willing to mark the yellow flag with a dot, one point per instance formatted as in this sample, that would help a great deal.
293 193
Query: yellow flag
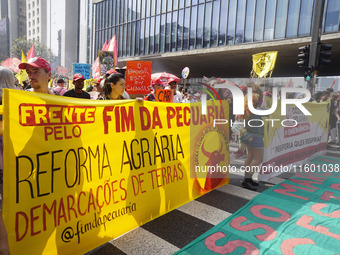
22 75
264 63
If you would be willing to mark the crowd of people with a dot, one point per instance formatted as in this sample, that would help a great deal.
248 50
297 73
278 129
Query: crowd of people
112 86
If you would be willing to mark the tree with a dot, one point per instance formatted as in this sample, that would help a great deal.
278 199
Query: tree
23 44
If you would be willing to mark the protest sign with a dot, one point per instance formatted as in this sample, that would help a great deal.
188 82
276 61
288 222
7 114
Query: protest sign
62 72
288 148
138 77
106 61
84 69
164 95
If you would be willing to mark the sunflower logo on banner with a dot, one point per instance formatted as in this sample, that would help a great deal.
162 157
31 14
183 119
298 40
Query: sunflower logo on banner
263 64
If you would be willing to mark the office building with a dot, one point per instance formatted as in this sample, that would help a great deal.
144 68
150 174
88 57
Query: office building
213 38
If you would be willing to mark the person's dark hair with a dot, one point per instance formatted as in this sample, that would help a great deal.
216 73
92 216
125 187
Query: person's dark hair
325 93
111 78
60 81
330 90
317 96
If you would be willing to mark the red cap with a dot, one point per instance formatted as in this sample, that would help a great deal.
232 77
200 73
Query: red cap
78 76
36 62
99 80
111 71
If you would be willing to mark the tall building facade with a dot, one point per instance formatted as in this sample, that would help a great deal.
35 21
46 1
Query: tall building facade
169 29
12 24
37 20
85 28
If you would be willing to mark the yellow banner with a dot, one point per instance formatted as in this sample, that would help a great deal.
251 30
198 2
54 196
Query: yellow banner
264 63
79 173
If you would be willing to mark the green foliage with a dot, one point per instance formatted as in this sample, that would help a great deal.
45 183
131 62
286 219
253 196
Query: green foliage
23 44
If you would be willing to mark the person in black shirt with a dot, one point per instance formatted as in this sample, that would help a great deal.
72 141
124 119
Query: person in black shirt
77 91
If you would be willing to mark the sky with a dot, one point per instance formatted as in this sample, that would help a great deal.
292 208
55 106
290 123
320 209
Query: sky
57 23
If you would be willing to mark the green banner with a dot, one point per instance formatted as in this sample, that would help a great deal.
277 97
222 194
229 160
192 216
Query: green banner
299 216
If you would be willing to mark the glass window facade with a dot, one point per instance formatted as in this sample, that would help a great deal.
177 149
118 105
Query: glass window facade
147 27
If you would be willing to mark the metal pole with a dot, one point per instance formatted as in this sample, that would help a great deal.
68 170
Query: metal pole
316 38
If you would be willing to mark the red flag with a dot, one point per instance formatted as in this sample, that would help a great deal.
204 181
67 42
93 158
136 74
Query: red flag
31 53
12 63
113 47
332 84
108 46
115 50
104 46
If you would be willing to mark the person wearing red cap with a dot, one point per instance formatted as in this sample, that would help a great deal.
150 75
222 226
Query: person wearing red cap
39 74
77 91
177 98
152 96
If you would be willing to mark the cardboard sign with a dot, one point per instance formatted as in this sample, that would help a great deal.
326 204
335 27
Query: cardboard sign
164 95
106 61
138 77
84 69
62 72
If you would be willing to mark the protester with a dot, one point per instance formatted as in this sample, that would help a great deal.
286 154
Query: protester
330 90
113 86
99 87
77 91
188 98
59 90
177 98
324 96
253 139
7 80
316 97
333 118
39 74
152 95
241 150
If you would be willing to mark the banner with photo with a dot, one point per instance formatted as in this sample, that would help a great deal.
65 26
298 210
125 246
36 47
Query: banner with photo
79 173
288 147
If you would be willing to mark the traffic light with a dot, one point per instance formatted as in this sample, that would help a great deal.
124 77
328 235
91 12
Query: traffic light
325 53
309 73
303 56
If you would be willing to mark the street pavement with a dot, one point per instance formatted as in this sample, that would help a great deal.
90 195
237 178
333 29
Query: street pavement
174 230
